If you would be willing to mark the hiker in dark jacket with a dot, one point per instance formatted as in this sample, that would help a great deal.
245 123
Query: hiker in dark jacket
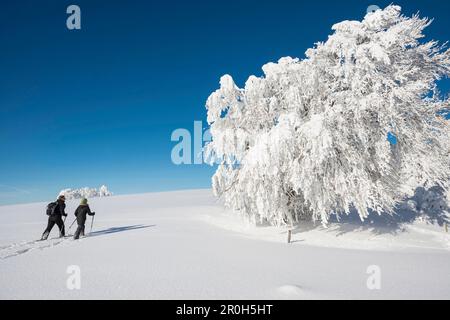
55 217
82 211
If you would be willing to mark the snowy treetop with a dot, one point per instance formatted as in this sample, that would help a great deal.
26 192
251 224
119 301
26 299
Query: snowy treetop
86 193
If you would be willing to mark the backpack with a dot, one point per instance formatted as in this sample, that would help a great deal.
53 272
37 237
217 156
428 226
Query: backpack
51 208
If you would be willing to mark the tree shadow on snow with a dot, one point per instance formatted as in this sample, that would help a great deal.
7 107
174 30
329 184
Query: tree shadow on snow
429 205
305 226
119 229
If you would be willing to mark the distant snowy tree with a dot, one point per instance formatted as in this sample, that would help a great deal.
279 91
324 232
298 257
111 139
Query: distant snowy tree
86 193
104 192
309 139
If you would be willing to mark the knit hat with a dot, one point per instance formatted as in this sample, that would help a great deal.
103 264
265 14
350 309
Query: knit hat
84 201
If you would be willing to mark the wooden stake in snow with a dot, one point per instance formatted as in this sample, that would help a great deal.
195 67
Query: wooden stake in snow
446 227
289 236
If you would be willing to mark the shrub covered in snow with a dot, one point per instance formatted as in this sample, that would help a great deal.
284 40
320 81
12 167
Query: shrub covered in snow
86 193
309 139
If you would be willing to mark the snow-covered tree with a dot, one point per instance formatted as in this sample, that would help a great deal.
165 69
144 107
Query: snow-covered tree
104 192
309 138
86 193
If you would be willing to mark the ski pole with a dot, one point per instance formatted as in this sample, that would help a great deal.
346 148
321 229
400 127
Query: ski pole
72 224
92 223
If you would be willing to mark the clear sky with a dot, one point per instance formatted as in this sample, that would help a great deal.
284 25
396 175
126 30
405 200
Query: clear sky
98 105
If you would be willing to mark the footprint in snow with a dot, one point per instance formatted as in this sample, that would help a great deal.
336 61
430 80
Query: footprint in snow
17 249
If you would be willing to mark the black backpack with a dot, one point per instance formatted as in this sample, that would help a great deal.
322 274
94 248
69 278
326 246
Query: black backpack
51 207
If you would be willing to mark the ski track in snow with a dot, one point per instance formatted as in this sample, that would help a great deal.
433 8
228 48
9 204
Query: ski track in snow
17 249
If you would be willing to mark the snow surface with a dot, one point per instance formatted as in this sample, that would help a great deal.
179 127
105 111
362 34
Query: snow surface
184 245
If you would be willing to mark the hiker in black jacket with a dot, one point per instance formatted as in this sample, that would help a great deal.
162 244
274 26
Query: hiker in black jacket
82 211
55 217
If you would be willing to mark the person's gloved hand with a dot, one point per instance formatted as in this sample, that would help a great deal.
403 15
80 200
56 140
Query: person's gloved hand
93 213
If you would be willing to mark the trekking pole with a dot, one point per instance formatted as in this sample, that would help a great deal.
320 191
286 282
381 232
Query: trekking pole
72 224
92 223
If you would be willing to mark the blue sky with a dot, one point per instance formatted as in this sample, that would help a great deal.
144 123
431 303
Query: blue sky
98 105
